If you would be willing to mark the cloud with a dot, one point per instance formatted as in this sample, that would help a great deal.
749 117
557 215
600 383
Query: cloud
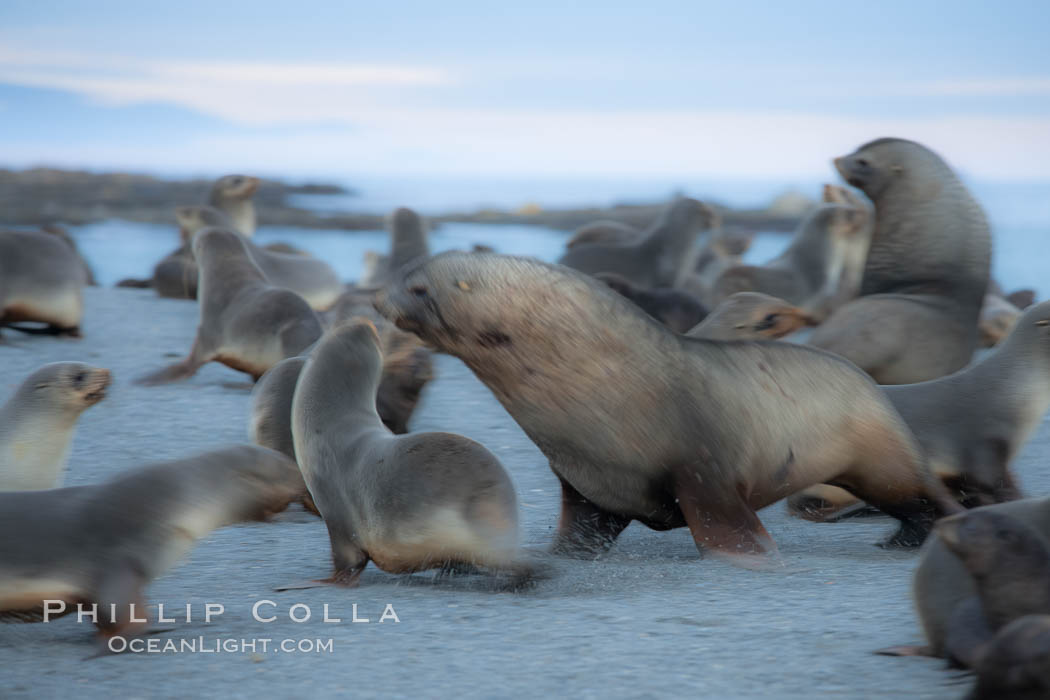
990 87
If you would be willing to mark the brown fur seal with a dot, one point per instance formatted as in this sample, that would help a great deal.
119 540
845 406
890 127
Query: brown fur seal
809 271
38 422
677 309
246 323
973 423
41 281
103 544
751 316
67 237
408 242
603 231
926 270
312 279
642 424
408 503
1016 663
942 581
662 257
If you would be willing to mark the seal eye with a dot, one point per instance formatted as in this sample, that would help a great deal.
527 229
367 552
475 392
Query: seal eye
79 379
418 290
768 322
863 163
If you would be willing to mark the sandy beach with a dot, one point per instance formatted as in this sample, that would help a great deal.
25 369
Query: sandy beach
648 619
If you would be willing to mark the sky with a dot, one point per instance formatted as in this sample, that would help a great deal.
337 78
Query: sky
723 89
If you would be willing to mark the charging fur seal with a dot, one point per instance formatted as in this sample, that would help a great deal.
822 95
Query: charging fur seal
103 544
661 257
751 316
832 238
38 422
312 279
41 281
926 270
246 323
642 424
407 503
973 423
677 309
408 242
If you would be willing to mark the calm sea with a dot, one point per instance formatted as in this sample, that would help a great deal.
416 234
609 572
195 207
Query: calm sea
1019 213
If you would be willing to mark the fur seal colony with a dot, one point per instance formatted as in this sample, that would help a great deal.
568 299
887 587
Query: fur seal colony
245 322
926 270
647 407
407 503
41 282
38 422
971 424
103 544
667 446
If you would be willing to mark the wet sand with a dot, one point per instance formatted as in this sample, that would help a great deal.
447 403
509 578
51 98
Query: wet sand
648 619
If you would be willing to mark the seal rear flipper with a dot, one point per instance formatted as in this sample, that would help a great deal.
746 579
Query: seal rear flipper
584 529
728 528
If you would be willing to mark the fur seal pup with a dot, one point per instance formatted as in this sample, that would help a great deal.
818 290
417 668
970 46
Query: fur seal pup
408 242
105 543
926 271
603 231
37 423
663 255
971 424
677 309
41 281
830 240
642 424
232 195
751 316
943 583
408 503
312 279
246 323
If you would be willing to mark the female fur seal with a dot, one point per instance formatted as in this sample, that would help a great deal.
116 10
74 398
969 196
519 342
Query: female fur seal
809 271
662 257
103 544
246 323
41 281
312 279
751 316
926 270
408 242
973 423
38 422
407 503
642 424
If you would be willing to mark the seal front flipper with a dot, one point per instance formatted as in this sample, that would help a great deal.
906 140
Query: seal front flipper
180 370
121 604
584 529
727 528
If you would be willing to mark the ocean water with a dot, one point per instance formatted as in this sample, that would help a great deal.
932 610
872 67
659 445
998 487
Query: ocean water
1019 214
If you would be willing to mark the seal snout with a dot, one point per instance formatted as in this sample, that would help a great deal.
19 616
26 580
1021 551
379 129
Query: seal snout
101 379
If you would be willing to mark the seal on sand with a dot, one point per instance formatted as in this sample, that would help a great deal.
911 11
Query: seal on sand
407 503
971 424
661 257
926 271
751 316
41 281
38 422
246 323
642 424
103 544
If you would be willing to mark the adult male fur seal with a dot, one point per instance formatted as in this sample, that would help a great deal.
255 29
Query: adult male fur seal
407 503
642 424
103 544
41 281
246 323
312 279
751 316
973 423
38 422
662 257
408 242
926 271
